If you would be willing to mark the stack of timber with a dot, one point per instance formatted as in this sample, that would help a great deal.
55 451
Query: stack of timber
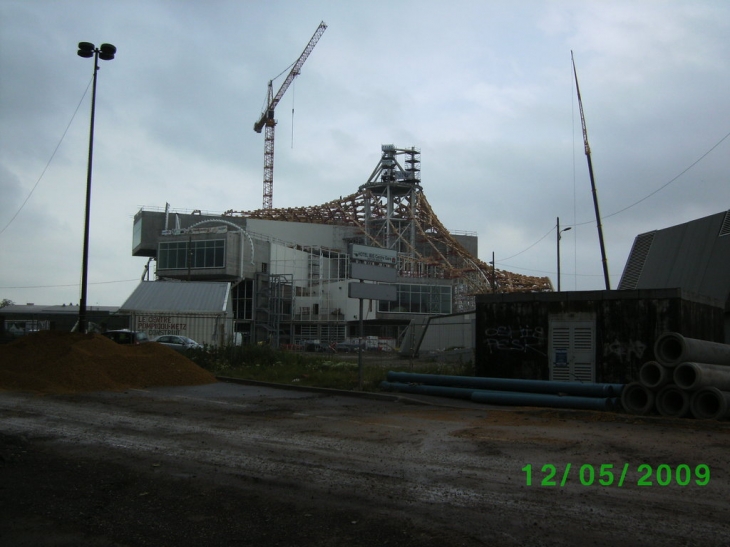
508 391
690 378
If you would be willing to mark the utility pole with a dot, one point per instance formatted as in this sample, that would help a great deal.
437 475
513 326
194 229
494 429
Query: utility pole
559 237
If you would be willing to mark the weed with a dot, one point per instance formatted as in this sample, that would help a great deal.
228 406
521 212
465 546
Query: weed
262 363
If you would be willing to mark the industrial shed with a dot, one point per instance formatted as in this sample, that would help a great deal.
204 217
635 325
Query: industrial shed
199 310
694 256
585 336
675 279
21 319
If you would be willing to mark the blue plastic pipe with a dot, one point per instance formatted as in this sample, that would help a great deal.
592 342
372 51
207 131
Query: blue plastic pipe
509 384
511 398
439 391
542 399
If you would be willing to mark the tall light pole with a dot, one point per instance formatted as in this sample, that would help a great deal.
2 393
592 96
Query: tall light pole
106 53
559 237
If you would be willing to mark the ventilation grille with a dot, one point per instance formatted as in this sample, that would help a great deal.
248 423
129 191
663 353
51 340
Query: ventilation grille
635 264
725 228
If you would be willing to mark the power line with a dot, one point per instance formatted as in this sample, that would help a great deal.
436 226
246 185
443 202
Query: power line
698 160
703 156
513 267
530 247
49 160
71 284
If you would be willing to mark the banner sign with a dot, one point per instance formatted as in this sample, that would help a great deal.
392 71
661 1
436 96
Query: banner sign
372 291
370 272
157 325
364 253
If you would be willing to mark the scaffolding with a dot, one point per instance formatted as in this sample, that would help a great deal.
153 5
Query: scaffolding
318 276
273 307
391 211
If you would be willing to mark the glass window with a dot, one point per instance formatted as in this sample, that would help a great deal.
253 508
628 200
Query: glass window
419 299
204 254
137 233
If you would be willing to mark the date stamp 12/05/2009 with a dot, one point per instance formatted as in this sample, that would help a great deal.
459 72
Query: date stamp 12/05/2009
609 475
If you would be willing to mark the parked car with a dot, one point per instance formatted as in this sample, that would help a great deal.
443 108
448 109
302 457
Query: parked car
124 336
346 347
319 347
178 343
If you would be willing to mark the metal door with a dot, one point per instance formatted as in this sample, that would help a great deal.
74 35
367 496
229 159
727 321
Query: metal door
572 351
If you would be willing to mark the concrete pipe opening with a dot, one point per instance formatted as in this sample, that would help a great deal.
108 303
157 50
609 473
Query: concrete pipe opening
669 348
653 375
707 404
672 401
637 399
711 403
685 376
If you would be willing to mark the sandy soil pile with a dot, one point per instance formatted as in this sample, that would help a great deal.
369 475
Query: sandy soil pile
68 362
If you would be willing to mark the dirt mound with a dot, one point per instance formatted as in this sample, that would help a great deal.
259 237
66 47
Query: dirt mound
68 362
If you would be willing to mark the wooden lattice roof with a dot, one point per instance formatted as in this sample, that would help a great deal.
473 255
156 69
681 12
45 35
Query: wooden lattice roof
437 254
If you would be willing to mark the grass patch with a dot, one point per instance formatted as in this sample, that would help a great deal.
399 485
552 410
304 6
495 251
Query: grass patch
334 371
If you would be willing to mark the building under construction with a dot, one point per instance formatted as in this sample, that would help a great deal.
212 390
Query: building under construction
290 268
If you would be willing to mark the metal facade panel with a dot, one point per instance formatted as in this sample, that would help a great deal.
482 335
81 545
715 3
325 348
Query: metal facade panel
636 261
725 229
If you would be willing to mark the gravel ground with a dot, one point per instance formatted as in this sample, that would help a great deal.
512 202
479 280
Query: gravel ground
229 465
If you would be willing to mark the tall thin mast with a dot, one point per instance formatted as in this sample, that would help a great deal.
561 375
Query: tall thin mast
593 182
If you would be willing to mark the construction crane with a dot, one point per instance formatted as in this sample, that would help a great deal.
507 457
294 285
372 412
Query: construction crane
268 121
604 260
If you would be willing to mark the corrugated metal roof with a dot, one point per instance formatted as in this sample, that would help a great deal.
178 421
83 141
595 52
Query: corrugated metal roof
180 297
694 256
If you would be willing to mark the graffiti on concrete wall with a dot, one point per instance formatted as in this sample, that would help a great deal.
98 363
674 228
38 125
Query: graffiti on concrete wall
524 339
631 350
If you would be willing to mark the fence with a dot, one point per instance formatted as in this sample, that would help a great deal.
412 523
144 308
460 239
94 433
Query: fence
440 336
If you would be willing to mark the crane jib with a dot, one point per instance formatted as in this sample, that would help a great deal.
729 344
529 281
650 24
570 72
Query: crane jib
293 73
267 116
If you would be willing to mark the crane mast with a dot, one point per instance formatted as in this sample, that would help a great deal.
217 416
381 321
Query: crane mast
267 122
593 182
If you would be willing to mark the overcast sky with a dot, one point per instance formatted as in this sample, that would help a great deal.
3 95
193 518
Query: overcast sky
484 88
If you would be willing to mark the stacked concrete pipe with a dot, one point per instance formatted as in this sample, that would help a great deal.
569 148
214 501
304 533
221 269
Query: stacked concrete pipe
672 348
641 397
672 401
636 398
690 377
709 403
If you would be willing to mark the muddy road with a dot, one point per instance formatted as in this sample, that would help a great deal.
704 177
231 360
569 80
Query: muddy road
227 464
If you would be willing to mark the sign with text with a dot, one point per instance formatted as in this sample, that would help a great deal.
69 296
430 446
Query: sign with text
157 325
363 253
